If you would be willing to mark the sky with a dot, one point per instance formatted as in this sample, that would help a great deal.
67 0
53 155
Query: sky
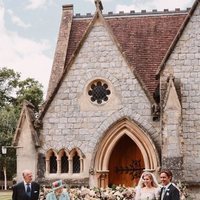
29 29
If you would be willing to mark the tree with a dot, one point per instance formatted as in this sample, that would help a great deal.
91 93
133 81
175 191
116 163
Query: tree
8 83
13 92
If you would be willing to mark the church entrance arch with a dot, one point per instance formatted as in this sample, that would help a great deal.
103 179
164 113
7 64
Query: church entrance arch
122 155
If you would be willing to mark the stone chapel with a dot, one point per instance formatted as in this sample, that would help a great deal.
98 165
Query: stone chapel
123 97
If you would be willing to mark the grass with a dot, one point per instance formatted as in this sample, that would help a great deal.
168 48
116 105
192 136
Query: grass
5 195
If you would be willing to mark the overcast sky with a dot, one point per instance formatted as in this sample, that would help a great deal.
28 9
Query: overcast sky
29 29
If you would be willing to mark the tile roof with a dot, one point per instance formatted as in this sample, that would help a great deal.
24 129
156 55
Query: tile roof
178 35
27 114
143 38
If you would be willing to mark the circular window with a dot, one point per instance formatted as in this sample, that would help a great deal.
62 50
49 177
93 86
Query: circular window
99 92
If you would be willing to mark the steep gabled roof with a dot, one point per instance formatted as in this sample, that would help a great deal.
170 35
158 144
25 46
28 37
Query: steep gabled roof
176 39
142 38
28 115
68 63
61 47
145 41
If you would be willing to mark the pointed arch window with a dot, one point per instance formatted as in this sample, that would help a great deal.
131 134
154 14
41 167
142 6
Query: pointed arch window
64 163
76 163
53 163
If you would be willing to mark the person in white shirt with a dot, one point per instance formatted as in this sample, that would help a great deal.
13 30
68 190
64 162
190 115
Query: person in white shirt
169 191
27 189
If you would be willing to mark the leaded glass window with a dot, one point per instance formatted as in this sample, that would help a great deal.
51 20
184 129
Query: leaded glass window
76 164
53 163
99 92
64 164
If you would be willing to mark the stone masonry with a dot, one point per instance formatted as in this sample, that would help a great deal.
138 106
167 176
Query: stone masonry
72 120
73 125
184 64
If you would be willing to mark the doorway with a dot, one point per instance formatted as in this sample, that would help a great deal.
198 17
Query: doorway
126 163
124 147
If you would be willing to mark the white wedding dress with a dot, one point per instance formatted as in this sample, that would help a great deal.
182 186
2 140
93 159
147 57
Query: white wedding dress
144 194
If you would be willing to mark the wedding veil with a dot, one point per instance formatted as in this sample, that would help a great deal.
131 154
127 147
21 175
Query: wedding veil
154 180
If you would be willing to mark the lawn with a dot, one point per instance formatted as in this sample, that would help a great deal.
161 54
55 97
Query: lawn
5 195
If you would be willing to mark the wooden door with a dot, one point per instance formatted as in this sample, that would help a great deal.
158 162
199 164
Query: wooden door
126 163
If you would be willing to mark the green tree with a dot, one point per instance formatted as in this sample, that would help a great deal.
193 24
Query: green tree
8 83
7 125
13 92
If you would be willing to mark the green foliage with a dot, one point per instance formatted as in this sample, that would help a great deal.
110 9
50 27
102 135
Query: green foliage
8 83
8 122
13 92
30 90
8 119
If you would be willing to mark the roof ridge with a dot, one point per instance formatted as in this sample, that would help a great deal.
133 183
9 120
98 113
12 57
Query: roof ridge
133 12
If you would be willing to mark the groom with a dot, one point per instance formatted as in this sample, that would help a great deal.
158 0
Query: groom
168 191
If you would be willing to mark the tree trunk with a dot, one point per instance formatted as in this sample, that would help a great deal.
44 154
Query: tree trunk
5 177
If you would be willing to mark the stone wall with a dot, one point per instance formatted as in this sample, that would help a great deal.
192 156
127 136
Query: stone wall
72 120
184 64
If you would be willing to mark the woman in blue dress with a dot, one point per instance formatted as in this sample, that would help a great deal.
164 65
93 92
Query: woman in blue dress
57 192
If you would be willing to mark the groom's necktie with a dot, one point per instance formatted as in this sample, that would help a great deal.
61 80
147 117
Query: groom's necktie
163 193
28 189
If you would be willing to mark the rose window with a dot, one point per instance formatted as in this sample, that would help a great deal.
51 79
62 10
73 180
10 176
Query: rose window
99 92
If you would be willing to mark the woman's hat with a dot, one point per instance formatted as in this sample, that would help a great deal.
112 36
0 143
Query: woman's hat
57 185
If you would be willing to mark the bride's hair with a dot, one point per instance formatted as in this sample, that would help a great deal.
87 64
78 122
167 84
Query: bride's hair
151 176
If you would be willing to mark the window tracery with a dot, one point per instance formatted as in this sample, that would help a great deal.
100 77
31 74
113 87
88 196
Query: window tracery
99 91
64 161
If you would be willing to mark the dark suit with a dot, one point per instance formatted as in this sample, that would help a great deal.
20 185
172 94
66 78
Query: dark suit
172 193
19 192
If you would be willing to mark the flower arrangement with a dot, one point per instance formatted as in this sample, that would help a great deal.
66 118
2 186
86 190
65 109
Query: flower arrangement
183 190
114 193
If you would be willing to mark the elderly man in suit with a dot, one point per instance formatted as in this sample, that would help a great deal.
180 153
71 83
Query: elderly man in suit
169 191
27 189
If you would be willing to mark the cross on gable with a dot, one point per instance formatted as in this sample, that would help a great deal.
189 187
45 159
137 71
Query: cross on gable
99 5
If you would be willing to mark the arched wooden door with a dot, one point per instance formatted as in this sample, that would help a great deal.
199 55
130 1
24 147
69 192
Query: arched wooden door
123 144
126 163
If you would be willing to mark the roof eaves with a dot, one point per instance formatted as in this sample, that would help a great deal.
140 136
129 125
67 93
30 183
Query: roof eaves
32 128
46 105
61 47
176 39
18 129
25 113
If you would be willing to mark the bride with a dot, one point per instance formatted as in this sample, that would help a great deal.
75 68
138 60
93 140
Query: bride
148 188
